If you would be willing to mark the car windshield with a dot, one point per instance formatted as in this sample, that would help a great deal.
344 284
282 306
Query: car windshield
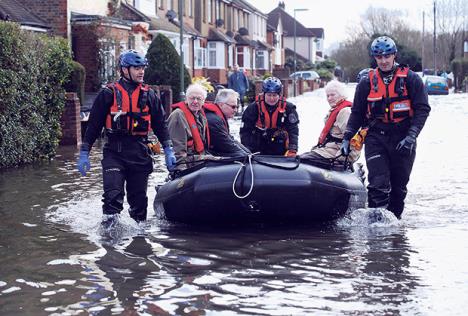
439 80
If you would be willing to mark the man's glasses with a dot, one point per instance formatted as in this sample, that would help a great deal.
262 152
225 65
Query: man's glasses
199 99
232 106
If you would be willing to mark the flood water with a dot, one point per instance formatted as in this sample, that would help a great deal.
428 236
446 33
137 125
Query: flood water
55 260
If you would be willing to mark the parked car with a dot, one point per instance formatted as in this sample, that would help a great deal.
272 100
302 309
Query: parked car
305 75
436 85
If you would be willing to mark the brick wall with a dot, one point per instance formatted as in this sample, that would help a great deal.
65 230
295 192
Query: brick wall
70 120
86 48
52 11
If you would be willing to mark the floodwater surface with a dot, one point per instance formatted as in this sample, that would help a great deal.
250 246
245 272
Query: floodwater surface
55 259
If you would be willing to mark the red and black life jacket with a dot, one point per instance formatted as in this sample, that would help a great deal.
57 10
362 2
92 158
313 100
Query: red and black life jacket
216 110
129 114
325 134
196 142
389 103
264 120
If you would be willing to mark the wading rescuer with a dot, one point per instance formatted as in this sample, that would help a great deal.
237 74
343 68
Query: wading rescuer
270 125
127 109
393 102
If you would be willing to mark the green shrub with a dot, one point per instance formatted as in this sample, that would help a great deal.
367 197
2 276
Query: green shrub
76 80
33 70
164 66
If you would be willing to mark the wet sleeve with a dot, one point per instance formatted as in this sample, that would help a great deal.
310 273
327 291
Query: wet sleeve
249 119
359 109
158 119
221 141
419 102
97 117
292 126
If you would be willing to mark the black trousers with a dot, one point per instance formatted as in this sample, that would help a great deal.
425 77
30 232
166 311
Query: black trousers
389 169
126 166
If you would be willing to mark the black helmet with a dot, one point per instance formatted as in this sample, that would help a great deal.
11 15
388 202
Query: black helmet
363 73
132 58
272 85
383 45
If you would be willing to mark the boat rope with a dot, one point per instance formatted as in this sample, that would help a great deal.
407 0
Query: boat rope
249 158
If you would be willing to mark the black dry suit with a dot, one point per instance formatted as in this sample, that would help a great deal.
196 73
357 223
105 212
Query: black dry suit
381 103
270 130
126 157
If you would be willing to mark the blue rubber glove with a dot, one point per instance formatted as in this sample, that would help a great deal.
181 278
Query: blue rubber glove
345 147
83 162
407 144
170 158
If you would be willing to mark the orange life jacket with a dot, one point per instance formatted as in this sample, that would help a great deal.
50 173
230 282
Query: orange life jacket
216 110
264 120
331 120
196 143
389 103
129 114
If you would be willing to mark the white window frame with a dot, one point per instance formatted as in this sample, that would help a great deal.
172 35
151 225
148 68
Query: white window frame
230 55
209 11
247 57
216 59
261 54
200 55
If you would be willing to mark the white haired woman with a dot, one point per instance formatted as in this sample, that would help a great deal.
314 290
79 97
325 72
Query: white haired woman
188 128
328 146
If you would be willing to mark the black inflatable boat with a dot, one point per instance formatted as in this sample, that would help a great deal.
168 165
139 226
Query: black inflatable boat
265 189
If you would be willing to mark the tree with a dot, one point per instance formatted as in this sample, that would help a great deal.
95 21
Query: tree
164 66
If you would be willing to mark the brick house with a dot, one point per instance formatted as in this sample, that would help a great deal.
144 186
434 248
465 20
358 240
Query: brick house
216 34
309 41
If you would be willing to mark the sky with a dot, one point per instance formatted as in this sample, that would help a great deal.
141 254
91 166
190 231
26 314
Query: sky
336 17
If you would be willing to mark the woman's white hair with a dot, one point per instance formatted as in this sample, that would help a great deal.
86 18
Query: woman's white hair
338 87
196 88
224 94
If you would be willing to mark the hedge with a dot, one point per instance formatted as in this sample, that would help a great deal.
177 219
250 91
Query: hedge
164 66
33 70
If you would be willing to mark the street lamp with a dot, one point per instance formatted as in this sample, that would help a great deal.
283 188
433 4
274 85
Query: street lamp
295 59
181 35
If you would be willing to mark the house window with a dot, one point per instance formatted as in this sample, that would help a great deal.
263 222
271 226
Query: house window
131 42
190 8
209 11
169 5
216 55
160 4
107 66
260 59
230 56
247 57
240 56
200 55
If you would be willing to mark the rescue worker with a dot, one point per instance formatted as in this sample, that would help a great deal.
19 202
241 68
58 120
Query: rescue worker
393 102
270 125
128 109
188 128
225 106
328 146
